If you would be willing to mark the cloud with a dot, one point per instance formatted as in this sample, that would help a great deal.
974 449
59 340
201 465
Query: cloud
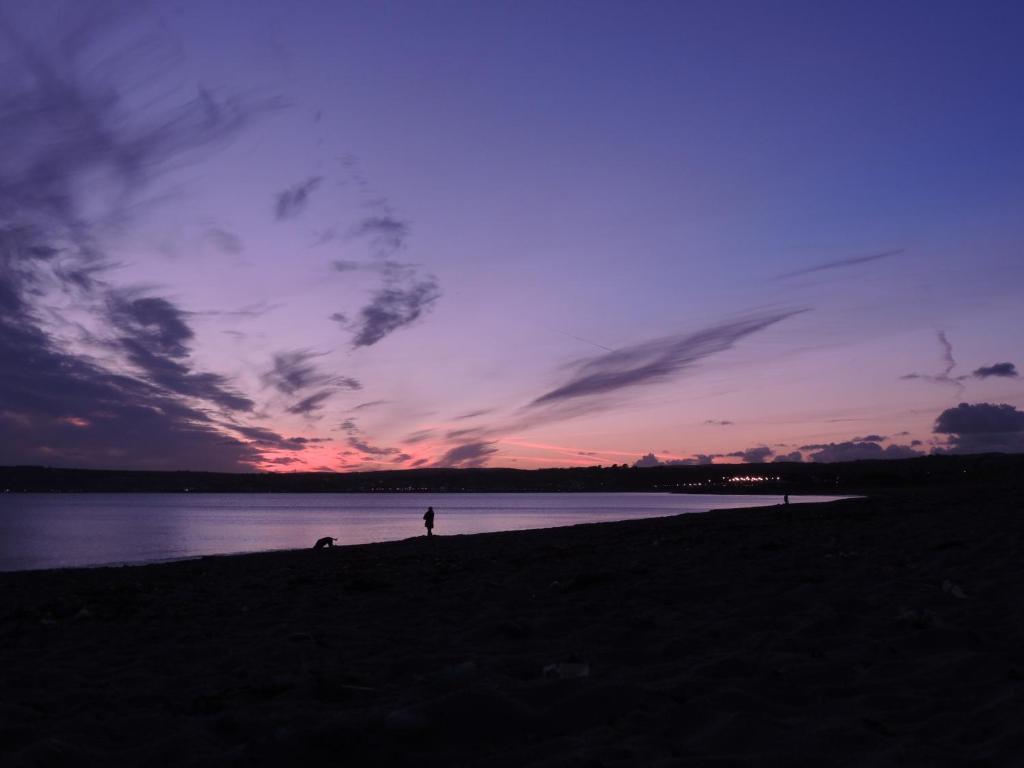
386 233
293 200
701 459
945 376
370 404
347 265
155 337
224 240
282 460
388 267
392 308
657 360
647 460
753 455
982 428
65 128
419 436
854 451
473 414
650 460
869 439
128 422
718 423
841 263
267 438
467 455
362 445
405 295
293 371
153 322
1004 370
311 404
794 456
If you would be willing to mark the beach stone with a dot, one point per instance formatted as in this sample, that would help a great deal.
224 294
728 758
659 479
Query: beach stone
406 722
953 589
478 714
50 753
567 670
598 705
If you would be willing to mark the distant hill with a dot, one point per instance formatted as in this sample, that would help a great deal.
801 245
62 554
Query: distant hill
996 469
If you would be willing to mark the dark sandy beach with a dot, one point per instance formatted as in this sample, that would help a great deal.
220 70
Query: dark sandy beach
883 631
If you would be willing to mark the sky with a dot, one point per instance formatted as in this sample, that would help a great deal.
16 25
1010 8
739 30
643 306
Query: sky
296 236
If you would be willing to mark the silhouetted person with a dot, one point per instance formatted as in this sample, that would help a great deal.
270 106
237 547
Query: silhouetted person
326 541
785 499
428 520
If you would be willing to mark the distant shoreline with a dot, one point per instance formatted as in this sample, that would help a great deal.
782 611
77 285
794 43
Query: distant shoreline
777 478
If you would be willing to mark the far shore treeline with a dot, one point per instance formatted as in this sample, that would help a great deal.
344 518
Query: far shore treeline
843 477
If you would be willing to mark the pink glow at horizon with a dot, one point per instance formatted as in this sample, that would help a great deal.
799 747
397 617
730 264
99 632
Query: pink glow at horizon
332 238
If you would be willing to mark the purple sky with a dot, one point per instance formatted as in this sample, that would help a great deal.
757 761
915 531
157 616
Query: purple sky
284 235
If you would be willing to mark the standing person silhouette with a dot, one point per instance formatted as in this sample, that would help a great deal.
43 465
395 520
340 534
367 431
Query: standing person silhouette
428 520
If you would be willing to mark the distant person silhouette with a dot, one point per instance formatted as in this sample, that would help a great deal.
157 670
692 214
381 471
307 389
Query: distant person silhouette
326 541
785 499
428 520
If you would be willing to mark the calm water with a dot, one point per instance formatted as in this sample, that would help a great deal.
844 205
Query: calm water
61 530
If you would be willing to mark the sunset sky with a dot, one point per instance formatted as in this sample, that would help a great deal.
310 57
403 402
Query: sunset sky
380 235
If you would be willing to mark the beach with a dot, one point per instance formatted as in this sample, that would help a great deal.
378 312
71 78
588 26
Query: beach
878 631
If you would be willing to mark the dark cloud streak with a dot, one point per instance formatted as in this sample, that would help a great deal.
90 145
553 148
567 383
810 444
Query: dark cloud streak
391 308
658 360
63 122
294 200
1001 370
841 263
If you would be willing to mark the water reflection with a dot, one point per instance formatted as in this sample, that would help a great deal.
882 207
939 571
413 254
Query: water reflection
60 530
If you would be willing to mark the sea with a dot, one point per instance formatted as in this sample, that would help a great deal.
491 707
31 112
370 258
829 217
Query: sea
63 530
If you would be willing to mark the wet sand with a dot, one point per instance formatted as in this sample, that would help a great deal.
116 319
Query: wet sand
883 631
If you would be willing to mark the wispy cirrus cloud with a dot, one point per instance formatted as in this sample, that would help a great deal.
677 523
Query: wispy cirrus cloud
473 414
406 294
391 308
851 261
657 360
309 405
387 233
225 241
294 370
291 202
268 438
154 336
595 382
64 122
369 404
372 450
944 377
473 454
